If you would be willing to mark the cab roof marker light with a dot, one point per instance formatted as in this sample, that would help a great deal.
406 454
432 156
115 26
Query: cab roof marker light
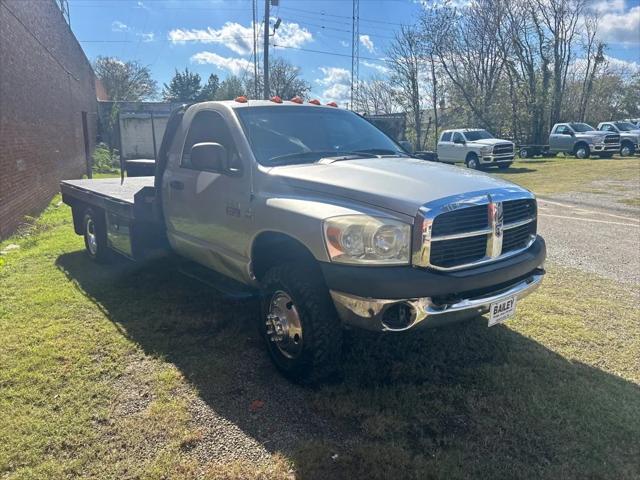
297 99
241 99
315 101
276 99
332 104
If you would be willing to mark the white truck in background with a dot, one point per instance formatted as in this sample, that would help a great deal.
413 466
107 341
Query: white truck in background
476 148
629 135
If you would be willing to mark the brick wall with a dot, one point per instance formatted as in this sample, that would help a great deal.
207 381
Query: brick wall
46 82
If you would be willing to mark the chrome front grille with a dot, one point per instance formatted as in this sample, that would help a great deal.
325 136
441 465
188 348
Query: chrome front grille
503 149
480 229
612 139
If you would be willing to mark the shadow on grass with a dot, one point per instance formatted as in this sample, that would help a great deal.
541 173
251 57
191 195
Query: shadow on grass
464 401
516 170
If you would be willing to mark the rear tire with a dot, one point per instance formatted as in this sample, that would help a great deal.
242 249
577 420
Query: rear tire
524 153
582 151
472 161
95 235
299 324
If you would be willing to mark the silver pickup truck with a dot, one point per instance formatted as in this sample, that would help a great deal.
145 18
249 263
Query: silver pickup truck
582 140
476 148
325 218
629 135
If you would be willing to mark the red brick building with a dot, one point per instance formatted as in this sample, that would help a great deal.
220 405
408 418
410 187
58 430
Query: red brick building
48 107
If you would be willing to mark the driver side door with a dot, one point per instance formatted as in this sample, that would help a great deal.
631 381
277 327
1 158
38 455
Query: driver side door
208 212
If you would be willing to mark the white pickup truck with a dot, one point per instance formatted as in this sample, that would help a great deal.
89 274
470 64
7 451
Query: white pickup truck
475 147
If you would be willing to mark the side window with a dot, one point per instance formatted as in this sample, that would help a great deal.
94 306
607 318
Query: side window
446 137
457 137
607 127
209 126
562 129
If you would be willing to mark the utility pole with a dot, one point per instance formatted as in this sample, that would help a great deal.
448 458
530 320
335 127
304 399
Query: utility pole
254 6
266 49
355 50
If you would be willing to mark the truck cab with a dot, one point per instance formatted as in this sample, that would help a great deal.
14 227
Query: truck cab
582 140
629 135
475 148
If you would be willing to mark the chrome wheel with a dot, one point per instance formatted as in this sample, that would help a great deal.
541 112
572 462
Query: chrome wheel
524 153
582 152
284 327
92 238
472 163
625 151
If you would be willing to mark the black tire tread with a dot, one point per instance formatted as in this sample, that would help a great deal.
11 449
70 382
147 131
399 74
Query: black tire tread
322 332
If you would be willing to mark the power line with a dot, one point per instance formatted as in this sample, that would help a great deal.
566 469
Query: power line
310 50
384 22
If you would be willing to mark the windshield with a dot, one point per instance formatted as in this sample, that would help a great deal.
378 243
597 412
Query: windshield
292 134
474 135
581 127
625 126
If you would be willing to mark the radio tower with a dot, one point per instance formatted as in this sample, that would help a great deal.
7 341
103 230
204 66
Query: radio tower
355 51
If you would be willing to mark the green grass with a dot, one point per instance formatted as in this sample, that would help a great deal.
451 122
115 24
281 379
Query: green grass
566 174
100 367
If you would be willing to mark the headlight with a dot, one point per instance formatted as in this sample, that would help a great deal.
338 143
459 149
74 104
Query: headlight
486 149
362 239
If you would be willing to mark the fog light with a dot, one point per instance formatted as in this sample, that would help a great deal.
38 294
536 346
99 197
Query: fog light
398 316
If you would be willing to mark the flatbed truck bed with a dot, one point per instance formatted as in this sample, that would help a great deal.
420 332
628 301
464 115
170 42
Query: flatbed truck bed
132 221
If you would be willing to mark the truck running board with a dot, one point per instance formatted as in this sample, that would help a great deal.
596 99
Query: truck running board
221 283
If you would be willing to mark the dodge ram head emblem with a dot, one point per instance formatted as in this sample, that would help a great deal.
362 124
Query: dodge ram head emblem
494 242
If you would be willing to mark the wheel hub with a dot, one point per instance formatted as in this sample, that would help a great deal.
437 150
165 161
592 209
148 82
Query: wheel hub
284 327
92 240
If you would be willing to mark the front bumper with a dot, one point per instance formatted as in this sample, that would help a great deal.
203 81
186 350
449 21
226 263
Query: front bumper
362 295
605 147
372 314
491 158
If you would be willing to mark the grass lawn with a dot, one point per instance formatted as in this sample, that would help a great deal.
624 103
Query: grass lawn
100 368
547 176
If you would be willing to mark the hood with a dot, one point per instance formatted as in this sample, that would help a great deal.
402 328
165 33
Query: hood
398 184
594 134
631 133
489 141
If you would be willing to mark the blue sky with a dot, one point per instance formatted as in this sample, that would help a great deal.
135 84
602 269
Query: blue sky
215 36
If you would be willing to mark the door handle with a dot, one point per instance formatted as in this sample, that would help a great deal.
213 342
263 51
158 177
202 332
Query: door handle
176 185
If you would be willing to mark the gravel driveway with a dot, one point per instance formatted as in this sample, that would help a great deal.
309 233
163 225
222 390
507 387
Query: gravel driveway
592 232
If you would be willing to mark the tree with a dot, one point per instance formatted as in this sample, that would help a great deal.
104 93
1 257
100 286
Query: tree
230 88
209 90
375 96
125 80
183 87
405 62
285 80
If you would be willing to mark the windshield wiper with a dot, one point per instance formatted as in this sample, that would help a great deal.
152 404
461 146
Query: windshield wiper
376 151
310 157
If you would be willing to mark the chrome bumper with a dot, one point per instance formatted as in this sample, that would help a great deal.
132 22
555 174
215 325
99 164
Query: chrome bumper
369 313
606 147
492 158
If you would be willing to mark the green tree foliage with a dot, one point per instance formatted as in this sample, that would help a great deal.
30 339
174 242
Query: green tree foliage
210 89
230 88
183 87
129 81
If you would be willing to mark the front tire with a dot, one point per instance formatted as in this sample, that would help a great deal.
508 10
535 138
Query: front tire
627 149
582 151
95 235
524 153
299 324
473 162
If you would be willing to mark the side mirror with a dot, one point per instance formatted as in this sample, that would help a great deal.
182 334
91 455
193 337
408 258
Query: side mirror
406 145
209 156
570 133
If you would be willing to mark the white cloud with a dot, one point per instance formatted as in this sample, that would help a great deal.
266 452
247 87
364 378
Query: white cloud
344 43
146 37
239 38
367 42
623 66
376 66
336 83
606 6
118 26
143 6
234 65
621 27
